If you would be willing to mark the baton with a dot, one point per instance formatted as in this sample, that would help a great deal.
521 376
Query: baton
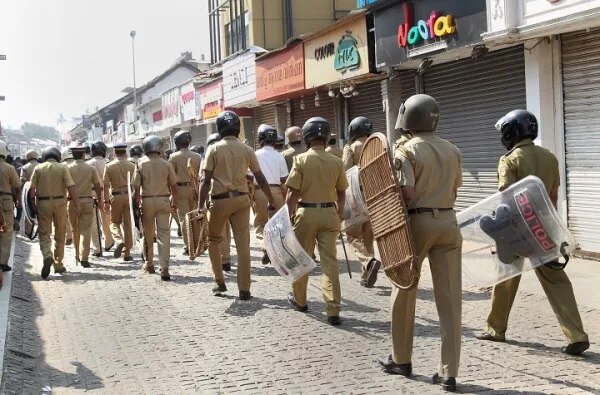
346 255
98 227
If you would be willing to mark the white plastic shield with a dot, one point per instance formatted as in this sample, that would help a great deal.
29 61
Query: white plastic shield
355 209
284 250
133 230
500 231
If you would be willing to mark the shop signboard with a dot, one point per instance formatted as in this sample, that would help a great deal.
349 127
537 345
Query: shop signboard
414 29
171 109
211 99
339 54
239 80
280 74
188 101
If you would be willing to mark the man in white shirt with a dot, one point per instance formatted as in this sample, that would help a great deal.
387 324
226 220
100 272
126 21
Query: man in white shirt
273 166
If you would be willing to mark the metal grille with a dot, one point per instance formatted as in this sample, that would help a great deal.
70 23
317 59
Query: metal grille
199 135
472 97
326 110
369 104
581 89
263 114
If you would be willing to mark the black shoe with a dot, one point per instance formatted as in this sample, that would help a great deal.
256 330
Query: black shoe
179 232
490 337
111 246
48 262
128 258
448 383
265 259
391 367
186 252
219 289
227 267
119 250
164 275
85 264
245 295
372 269
98 254
5 268
363 283
295 304
576 348
334 320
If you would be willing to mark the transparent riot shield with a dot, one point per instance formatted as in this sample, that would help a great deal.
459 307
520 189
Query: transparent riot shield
284 250
500 231
355 209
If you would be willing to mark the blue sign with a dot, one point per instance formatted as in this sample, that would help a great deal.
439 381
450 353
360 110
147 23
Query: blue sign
364 3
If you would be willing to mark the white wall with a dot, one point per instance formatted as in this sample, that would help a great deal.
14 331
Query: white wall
538 11
176 78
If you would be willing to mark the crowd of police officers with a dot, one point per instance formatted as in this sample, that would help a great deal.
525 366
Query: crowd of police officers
86 196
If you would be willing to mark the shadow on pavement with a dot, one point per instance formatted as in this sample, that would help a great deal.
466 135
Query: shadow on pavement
25 367
587 356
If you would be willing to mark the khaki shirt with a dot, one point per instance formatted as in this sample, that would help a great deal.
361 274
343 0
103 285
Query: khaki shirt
433 166
318 176
9 178
84 176
229 160
351 156
179 161
115 174
528 159
334 150
290 153
51 179
27 171
99 163
154 175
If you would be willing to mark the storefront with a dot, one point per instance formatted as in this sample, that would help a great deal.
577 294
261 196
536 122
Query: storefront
441 41
171 115
211 105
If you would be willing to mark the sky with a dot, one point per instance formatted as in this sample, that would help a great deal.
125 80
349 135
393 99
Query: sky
66 56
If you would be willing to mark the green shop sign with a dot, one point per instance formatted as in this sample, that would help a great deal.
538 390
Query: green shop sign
347 56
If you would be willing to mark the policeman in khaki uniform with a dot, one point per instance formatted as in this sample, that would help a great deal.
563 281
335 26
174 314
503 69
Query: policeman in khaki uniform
361 237
519 128
86 181
49 183
9 184
316 197
293 135
332 147
155 181
431 173
98 160
67 159
186 195
116 201
225 169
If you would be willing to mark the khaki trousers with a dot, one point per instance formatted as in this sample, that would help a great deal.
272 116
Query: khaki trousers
320 226
185 204
559 291
261 208
437 237
120 217
105 225
82 227
155 220
69 234
225 245
236 211
7 206
52 212
361 240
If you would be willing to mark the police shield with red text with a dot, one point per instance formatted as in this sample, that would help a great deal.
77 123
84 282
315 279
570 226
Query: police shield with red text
518 130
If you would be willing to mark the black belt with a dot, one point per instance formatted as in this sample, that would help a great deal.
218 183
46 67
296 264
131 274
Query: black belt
316 205
117 193
50 197
6 193
82 197
184 184
271 185
227 195
155 196
420 210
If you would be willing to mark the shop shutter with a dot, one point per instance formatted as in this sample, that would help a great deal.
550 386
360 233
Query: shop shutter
199 135
581 89
369 104
472 97
263 114
326 110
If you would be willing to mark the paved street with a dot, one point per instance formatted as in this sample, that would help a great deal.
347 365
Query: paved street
113 329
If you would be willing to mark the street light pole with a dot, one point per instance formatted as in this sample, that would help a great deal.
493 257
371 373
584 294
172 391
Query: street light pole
132 35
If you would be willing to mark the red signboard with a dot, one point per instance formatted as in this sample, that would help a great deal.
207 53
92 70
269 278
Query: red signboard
157 116
280 74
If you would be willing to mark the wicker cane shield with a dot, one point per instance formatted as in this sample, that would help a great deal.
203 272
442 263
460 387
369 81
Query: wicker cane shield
388 213
197 233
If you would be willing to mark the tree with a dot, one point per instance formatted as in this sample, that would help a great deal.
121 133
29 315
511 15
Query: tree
33 130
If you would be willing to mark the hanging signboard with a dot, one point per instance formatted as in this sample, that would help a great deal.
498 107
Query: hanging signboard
171 111
280 74
211 99
239 80
188 101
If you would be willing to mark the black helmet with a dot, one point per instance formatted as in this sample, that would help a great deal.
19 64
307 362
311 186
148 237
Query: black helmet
316 128
182 139
419 113
153 144
228 124
51 152
213 138
88 149
267 134
360 126
517 125
136 150
99 149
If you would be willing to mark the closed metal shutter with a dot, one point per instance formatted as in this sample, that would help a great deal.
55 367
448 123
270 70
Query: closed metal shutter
326 110
369 104
581 87
199 135
263 114
472 97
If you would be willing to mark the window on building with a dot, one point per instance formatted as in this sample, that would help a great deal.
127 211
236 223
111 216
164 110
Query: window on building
237 34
